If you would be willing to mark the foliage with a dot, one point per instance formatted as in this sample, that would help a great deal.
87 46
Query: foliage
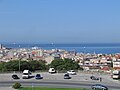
2 68
36 65
64 64
12 65
31 65
17 85
58 64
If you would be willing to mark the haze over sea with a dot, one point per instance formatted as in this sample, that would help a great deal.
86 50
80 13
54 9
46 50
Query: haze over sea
104 48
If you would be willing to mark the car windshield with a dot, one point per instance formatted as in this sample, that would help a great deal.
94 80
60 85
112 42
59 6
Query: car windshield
38 75
15 75
94 77
25 73
99 85
66 75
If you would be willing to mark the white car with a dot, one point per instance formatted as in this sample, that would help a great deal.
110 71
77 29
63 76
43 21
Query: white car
26 74
52 70
71 72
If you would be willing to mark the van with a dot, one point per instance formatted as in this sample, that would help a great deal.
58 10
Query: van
52 70
26 74
116 74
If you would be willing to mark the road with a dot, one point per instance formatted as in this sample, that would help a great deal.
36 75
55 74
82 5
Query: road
55 84
56 80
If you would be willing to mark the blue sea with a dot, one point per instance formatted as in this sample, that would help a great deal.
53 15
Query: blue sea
104 48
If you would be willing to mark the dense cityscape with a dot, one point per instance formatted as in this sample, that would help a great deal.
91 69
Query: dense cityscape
96 62
56 65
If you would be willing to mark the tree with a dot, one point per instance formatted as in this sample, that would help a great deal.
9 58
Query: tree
17 85
12 65
31 65
24 65
70 64
36 65
64 64
2 67
57 64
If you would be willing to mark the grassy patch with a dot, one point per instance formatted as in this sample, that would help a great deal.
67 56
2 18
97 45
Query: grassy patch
45 88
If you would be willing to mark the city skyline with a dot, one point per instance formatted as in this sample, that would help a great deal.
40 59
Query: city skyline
60 21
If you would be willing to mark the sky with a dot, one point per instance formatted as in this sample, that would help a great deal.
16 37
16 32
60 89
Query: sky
60 21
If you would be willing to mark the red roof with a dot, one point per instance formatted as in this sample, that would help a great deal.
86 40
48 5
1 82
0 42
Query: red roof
105 68
34 52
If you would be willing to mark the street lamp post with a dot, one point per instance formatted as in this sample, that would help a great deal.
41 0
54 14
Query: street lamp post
19 65
32 86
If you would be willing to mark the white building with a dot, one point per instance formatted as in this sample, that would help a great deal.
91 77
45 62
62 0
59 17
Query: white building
116 64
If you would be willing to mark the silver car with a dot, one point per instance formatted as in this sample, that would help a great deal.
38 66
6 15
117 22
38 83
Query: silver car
99 87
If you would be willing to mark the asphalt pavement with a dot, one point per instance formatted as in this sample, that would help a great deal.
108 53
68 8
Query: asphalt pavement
57 80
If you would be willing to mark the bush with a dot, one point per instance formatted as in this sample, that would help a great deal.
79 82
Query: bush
16 85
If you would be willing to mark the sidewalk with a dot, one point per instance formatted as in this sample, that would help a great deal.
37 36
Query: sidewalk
6 88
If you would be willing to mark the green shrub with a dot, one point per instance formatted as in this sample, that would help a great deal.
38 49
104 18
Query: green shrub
16 85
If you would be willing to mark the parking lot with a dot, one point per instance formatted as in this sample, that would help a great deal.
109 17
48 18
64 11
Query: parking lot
79 78
106 78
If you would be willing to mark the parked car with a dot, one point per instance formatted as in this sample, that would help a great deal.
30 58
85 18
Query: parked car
71 72
94 78
99 87
26 74
52 70
38 76
14 76
66 76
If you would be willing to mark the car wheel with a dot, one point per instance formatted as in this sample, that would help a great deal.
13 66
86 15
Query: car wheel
94 88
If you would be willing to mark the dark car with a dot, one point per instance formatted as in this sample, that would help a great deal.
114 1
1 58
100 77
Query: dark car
66 76
15 76
38 76
94 78
99 87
